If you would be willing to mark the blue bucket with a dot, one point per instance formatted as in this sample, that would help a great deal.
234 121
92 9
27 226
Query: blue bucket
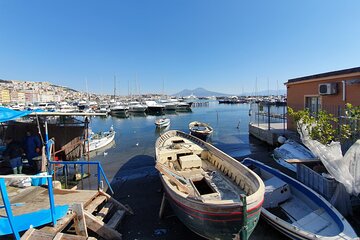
38 181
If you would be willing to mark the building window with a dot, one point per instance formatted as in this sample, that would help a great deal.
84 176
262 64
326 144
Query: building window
313 104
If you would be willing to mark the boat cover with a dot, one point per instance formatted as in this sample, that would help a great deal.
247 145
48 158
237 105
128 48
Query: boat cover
344 168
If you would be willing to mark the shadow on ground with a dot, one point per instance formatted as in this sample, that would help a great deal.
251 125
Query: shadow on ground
137 184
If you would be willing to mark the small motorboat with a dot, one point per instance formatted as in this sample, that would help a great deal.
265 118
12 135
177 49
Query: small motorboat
214 195
292 150
200 129
296 210
101 139
162 122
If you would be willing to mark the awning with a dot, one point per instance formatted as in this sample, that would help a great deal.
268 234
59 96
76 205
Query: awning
7 114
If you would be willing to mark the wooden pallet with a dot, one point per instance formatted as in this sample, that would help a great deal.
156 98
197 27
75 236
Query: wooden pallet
102 215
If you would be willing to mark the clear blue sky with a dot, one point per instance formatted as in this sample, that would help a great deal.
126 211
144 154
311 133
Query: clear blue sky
223 46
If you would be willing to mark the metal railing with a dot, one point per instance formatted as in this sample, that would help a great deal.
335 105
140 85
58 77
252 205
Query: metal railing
100 171
269 114
7 204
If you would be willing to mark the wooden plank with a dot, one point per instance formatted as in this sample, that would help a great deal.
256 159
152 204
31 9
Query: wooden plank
104 211
95 203
162 206
64 236
27 234
58 236
39 235
79 196
79 220
60 225
116 219
173 179
100 228
116 203
295 160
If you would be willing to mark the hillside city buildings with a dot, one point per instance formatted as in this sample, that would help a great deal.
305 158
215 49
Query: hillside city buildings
16 92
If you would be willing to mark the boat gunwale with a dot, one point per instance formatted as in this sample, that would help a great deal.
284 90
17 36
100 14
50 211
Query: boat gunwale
252 199
319 200
212 206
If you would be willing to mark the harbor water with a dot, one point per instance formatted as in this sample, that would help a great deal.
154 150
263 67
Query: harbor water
129 164
137 133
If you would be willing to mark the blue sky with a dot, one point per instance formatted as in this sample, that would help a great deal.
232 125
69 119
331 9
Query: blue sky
222 46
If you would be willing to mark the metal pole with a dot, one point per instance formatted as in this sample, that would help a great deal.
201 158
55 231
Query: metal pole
268 106
8 209
106 180
284 118
98 175
47 145
51 199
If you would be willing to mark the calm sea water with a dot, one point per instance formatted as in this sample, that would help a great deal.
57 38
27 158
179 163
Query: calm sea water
132 155
137 134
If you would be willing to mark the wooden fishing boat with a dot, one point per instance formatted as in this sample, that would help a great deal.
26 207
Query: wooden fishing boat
296 210
200 129
162 122
101 139
210 192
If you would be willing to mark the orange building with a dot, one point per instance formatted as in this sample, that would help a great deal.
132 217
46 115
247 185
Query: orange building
327 91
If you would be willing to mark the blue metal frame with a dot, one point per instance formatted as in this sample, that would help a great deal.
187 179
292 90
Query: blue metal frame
7 204
100 170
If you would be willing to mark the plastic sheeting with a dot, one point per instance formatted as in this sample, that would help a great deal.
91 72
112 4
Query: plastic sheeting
345 169
7 114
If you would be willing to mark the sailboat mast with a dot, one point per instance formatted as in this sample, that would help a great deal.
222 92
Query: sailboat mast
114 86
87 91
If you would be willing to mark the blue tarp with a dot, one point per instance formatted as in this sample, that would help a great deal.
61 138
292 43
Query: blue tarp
7 114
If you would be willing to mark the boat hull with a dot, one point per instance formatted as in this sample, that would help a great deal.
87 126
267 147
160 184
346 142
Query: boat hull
212 222
214 214
200 130
99 143
294 231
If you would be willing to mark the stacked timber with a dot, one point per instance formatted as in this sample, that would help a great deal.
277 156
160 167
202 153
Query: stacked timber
102 215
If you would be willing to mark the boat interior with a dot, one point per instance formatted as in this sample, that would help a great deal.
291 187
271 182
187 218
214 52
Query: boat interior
293 206
204 174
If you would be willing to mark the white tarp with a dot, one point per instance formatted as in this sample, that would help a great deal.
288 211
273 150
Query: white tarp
345 169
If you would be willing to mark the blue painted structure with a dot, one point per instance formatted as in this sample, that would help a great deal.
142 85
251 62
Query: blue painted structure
11 224
100 171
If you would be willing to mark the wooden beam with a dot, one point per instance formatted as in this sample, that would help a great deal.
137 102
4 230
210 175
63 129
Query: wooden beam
180 185
100 228
116 203
104 211
116 219
27 234
95 203
162 206
37 235
60 225
79 220
58 236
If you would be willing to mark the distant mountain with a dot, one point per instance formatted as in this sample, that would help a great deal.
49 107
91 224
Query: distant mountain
199 92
